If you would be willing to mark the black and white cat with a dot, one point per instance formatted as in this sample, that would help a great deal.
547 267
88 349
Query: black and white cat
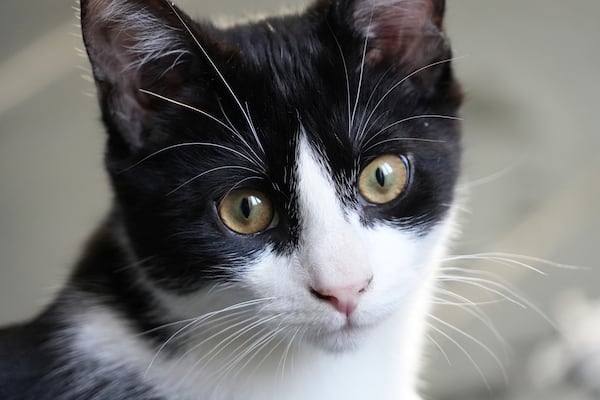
283 192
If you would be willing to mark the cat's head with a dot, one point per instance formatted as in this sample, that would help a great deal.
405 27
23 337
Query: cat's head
309 159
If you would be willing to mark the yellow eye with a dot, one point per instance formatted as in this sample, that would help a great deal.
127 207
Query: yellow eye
383 180
246 211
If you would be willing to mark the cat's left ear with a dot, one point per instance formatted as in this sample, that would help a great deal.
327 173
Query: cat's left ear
405 33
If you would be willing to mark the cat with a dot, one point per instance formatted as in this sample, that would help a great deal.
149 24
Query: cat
283 192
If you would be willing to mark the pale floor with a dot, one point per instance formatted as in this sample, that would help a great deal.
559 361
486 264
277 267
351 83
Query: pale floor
532 169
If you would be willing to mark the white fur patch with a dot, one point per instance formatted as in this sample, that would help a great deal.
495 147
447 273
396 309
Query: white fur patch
148 38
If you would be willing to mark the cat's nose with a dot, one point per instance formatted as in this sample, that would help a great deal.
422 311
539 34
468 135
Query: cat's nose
344 299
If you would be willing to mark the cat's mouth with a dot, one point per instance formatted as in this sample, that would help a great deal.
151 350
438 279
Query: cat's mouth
343 338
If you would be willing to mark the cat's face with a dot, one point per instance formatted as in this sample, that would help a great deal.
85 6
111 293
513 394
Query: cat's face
308 160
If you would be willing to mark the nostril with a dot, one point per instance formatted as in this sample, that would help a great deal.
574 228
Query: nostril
366 285
321 296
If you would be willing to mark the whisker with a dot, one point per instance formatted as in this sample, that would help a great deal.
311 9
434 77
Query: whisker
476 272
362 70
481 283
345 73
238 135
202 318
503 261
362 125
286 352
219 347
200 175
492 177
226 369
239 183
481 316
258 346
477 341
445 302
186 144
407 77
214 66
253 349
465 352
516 298
228 326
522 257
267 355
402 140
439 347
189 107
410 119
209 338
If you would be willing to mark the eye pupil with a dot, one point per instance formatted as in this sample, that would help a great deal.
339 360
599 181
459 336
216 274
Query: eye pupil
380 176
246 208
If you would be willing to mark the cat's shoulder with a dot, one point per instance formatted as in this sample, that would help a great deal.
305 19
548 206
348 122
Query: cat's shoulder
38 363
24 361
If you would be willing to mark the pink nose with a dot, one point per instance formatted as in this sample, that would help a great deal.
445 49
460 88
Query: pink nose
344 299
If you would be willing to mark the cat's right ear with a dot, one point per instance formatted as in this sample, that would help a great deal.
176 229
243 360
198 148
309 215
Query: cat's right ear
135 45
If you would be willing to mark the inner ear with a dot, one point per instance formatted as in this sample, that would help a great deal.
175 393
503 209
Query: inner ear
134 45
405 33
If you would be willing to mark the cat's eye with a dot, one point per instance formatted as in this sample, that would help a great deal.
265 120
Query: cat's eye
246 211
383 179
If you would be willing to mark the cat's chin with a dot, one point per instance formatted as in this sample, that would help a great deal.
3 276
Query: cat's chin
343 340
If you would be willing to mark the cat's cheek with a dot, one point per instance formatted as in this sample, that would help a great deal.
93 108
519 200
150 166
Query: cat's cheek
404 265
276 276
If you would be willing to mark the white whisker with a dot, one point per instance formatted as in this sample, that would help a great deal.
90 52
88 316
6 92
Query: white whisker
439 347
481 283
407 77
475 340
202 318
517 256
200 175
223 344
362 125
214 66
238 135
407 139
361 76
189 107
481 316
188 144
345 74
410 119
247 346
465 352
492 177
498 288
284 357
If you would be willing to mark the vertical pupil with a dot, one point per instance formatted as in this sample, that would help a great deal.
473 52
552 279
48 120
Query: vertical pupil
246 208
380 176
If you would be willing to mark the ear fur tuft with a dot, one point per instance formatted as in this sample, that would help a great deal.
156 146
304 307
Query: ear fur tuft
407 33
132 45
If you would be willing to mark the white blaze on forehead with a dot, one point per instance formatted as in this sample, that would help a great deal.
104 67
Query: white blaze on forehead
331 250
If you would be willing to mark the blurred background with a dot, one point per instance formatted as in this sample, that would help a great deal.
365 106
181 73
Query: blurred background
531 183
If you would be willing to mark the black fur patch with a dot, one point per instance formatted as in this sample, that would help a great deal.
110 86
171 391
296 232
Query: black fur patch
257 87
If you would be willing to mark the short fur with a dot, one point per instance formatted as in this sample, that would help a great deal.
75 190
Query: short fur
167 302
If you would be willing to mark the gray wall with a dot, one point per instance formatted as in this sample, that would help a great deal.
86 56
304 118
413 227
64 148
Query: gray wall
531 161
